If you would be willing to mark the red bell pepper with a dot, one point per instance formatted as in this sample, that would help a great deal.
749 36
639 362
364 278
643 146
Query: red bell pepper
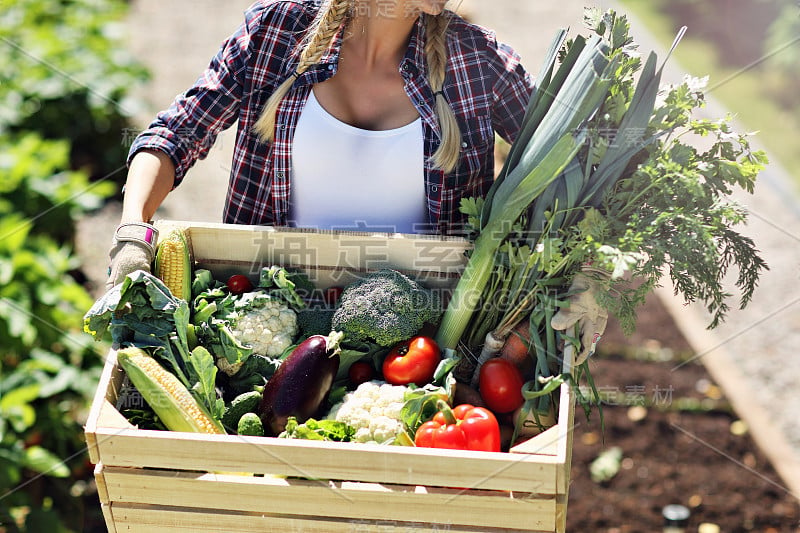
465 427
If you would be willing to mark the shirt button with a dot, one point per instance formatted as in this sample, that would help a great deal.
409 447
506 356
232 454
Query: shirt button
280 174
464 144
434 188
330 67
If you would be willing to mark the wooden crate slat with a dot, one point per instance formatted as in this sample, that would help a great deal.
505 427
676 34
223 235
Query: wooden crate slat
108 516
328 460
329 257
360 501
145 519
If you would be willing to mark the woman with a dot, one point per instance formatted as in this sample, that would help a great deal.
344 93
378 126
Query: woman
350 113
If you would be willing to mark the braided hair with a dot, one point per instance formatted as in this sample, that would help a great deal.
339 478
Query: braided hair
321 33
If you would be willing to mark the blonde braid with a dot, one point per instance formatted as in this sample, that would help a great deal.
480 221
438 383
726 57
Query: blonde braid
446 156
318 39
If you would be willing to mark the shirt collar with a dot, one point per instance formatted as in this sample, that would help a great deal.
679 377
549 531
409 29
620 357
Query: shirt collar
413 61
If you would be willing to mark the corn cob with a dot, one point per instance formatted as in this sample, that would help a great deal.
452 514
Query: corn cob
173 263
165 394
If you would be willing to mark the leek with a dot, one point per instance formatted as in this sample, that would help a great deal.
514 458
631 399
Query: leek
481 262
550 140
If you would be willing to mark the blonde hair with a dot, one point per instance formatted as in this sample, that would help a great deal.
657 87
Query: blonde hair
318 39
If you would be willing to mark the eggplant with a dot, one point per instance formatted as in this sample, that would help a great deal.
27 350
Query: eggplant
301 383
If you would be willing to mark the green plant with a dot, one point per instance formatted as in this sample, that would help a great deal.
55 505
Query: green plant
67 74
48 368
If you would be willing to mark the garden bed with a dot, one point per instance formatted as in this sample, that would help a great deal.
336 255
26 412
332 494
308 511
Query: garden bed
689 449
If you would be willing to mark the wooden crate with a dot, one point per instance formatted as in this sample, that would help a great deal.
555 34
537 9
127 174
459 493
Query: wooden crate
174 481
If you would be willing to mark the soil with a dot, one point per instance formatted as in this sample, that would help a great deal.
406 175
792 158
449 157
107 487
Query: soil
680 441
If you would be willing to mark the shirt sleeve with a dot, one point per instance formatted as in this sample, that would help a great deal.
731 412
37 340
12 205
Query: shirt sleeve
511 94
187 130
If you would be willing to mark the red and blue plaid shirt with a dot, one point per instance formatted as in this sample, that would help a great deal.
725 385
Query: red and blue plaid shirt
485 85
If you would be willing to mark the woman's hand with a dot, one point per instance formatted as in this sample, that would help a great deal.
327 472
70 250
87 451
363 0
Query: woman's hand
132 248
584 310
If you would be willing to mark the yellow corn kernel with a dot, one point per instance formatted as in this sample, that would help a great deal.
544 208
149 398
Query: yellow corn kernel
166 395
173 264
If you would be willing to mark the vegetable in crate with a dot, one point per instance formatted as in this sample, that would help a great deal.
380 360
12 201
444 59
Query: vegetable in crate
165 394
313 429
235 326
173 264
412 361
385 307
247 402
264 323
373 410
500 385
301 384
250 425
464 427
314 321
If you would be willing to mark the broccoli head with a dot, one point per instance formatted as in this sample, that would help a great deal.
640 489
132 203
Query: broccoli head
385 307
314 321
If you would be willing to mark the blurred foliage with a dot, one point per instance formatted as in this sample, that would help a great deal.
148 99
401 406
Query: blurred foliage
737 28
65 82
758 34
67 74
782 49
48 367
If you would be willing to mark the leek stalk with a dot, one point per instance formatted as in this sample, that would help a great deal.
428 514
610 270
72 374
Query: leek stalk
470 286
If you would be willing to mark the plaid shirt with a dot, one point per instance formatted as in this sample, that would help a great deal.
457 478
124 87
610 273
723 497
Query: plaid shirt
485 85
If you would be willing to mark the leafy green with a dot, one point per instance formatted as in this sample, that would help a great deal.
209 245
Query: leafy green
204 374
420 405
288 285
141 311
313 429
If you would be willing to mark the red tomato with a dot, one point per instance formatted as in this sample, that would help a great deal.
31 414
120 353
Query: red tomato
332 295
412 361
239 283
500 385
360 372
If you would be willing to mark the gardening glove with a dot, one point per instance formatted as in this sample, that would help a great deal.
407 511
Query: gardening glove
132 248
584 311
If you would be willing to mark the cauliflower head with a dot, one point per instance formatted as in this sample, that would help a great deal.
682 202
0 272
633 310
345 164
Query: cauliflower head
268 327
373 410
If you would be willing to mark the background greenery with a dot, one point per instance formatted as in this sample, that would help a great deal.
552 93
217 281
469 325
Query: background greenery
65 81
750 49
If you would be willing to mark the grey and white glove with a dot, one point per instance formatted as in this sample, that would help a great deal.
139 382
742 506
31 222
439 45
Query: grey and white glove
584 310
133 248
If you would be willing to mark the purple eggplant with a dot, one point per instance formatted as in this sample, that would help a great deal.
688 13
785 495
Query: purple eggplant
301 383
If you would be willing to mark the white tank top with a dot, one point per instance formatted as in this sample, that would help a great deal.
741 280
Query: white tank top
347 178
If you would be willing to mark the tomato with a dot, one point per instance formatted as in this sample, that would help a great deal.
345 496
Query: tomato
360 372
500 384
239 283
412 361
331 295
